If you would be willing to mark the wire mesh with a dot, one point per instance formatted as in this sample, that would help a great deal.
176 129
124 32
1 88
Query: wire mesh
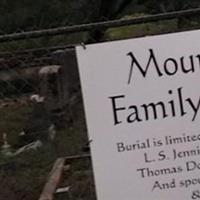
22 55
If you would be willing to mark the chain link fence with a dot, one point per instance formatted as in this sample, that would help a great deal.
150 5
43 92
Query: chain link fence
24 52
22 57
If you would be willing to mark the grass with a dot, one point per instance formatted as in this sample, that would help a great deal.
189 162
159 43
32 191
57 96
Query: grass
58 40
12 120
23 177
154 28
140 30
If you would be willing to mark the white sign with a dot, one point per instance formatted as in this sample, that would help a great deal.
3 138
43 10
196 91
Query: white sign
142 104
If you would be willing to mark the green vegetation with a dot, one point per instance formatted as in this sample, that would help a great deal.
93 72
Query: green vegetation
12 120
23 177
19 16
133 31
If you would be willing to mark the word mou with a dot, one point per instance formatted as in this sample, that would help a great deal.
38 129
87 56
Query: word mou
169 67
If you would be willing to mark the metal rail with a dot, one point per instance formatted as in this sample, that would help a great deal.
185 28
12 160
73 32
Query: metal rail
98 25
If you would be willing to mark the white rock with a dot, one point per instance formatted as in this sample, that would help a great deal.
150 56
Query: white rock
32 146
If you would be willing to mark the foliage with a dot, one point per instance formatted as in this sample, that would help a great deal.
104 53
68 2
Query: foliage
23 15
26 15
23 176
141 30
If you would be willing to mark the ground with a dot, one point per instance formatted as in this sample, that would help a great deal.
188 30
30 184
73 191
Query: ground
23 177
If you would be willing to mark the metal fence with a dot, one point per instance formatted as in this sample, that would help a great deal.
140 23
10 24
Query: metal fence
24 54
20 59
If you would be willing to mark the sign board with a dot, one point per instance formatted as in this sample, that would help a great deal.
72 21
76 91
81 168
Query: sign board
142 104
